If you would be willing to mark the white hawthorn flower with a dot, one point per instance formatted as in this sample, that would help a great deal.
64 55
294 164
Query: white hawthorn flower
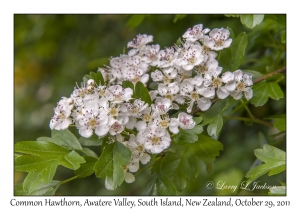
190 57
61 119
140 41
167 57
117 94
157 76
93 119
154 139
138 154
196 33
183 120
162 106
243 84
150 54
218 39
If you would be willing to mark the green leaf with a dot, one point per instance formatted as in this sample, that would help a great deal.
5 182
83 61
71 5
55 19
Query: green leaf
159 184
71 160
251 20
197 120
188 135
225 59
215 126
135 21
274 160
89 152
63 138
141 92
40 159
97 77
185 136
42 189
184 162
94 140
178 17
35 177
214 112
87 168
280 121
277 190
40 148
110 164
213 117
231 58
128 84
254 74
265 90
238 49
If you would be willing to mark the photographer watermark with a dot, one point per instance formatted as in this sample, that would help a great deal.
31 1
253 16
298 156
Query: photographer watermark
223 185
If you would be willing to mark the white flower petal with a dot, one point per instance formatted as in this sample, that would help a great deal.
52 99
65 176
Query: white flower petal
145 158
204 103
231 85
129 178
237 95
248 93
141 125
222 92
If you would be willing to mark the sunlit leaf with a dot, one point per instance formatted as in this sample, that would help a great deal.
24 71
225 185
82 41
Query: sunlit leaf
87 168
251 20
274 162
110 164
40 159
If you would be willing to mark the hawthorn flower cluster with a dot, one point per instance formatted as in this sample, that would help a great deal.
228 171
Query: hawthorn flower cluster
188 75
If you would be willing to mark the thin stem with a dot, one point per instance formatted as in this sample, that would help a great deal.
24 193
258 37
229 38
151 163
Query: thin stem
247 109
256 120
148 166
143 169
67 180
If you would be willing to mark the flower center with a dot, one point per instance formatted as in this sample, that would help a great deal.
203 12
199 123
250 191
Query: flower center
240 86
191 60
169 96
217 82
219 42
166 80
155 140
114 112
147 117
92 123
61 116
194 96
203 69
164 124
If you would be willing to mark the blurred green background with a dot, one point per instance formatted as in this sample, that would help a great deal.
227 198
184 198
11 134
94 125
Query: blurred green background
53 52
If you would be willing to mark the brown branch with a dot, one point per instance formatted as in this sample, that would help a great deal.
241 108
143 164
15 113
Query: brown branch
269 75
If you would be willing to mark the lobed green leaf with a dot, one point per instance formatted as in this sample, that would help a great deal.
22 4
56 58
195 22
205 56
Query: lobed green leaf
265 90
87 168
274 159
110 164
159 184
